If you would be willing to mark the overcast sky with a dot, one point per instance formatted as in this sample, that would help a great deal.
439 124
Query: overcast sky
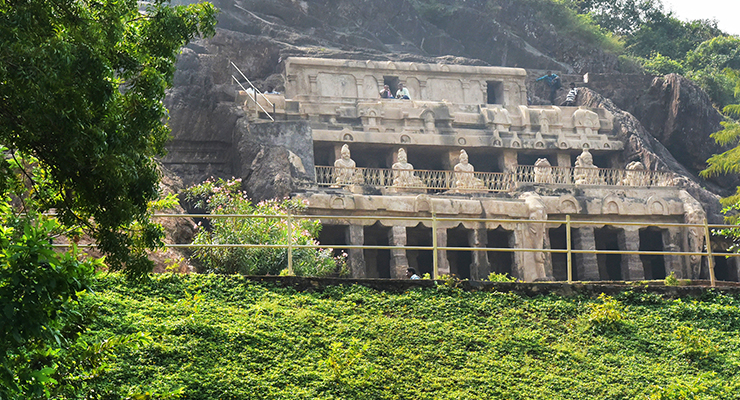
726 12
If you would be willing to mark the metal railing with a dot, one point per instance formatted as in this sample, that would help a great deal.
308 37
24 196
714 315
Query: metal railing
434 221
488 181
255 91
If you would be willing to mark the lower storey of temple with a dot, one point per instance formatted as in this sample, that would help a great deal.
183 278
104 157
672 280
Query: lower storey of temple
523 234
480 252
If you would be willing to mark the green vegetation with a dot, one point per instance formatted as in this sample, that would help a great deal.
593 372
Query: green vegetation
223 337
224 197
81 120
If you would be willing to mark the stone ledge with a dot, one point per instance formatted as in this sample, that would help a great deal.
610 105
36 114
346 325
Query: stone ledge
694 288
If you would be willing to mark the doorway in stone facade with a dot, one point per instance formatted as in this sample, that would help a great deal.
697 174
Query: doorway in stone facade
459 260
377 261
421 260
651 239
610 265
500 261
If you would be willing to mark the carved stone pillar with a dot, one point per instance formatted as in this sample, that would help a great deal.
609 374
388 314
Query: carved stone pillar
479 268
508 161
672 242
632 269
588 266
564 160
356 237
443 264
399 262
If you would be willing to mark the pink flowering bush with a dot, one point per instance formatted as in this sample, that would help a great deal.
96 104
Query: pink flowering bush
224 197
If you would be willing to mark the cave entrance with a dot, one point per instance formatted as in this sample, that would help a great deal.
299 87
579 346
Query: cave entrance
459 260
377 261
495 92
651 239
500 261
334 235
560 260
392 82
610 265
420 260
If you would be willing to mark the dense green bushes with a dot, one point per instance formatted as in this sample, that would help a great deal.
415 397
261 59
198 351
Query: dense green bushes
223 337
224 197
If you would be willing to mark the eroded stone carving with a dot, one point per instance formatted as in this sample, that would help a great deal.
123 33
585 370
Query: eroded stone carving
533 237
585 172
464 177
403 172
586 121
634 175
543 171
345 169
693 214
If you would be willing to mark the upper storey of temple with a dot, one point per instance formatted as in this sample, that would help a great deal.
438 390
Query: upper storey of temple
337 81
448 105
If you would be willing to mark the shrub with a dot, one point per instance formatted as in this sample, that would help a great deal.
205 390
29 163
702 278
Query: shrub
495 277
693 344
221 197
607 315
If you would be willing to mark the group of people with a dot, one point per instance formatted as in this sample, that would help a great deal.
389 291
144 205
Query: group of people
554 83
401 93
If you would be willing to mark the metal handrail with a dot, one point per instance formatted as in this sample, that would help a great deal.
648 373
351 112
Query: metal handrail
338 176
435 247
256 91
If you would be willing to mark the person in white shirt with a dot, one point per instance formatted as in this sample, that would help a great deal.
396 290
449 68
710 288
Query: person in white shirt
403 92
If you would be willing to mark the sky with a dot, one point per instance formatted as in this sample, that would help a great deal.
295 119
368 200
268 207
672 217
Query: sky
726 12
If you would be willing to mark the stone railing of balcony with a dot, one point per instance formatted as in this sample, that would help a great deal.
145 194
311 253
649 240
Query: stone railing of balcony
439 181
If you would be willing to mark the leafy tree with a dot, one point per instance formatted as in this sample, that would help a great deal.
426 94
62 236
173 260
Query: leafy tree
81 90
669 36
81 118
221 197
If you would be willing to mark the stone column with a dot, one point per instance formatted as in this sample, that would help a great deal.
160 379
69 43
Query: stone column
588 266
443 264
672 242
508 161
479 268
564 159
629 240
356 237
399 262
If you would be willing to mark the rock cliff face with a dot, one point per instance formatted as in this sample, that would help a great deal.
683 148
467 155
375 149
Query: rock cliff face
666 121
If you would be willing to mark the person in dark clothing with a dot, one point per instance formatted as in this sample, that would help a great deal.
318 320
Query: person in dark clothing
553 81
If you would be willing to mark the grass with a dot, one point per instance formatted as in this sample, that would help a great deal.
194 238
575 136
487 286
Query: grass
223 337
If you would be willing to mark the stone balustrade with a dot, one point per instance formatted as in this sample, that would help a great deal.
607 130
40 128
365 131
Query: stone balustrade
491 181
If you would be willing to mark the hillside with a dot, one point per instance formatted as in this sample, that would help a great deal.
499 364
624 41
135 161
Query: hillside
535 34
222 337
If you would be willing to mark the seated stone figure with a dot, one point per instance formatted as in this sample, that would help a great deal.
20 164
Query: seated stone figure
543 171
634 175
345 169
585 172
403 172
464 174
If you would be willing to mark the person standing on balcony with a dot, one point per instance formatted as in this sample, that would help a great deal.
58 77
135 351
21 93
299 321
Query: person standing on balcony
403 92
553 81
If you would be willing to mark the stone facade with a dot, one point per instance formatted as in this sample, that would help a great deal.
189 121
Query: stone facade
467 148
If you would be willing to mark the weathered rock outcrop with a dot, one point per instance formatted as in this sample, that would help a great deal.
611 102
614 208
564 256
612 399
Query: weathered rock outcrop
211 135
641 146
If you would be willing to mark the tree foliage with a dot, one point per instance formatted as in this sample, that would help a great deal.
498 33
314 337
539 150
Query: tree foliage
81 90
81 118
224 197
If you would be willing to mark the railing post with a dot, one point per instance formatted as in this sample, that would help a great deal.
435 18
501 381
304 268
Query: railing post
290 243
435 265
568 255
710 257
